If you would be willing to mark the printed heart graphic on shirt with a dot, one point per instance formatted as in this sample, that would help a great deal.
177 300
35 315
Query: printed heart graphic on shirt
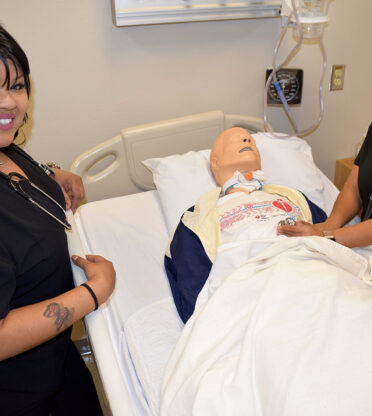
282 205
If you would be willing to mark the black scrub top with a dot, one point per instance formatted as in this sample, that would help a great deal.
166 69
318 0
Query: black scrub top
34 266
364 161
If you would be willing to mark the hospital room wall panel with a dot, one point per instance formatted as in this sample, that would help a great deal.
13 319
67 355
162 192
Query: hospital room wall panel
91 79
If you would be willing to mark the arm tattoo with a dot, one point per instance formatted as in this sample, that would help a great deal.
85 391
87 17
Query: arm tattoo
60 313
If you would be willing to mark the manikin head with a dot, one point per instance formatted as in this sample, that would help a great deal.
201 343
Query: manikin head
234 149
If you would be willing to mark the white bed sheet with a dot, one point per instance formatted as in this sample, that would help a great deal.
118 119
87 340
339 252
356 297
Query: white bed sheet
131 232
151 335
283 341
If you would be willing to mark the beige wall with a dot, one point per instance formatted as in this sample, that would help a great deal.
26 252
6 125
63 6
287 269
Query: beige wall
90 79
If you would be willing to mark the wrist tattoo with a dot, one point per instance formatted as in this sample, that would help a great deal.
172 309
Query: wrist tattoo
60 313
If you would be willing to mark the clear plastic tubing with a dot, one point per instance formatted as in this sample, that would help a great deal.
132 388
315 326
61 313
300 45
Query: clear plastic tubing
276 68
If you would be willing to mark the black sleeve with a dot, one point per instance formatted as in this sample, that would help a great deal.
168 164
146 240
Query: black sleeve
364 162
7 284
365 149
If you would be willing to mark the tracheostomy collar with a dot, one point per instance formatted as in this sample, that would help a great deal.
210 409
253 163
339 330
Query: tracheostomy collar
253 181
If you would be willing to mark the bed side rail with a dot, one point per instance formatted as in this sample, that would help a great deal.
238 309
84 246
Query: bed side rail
114 168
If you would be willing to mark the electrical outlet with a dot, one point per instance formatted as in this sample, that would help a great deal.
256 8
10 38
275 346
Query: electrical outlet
337 78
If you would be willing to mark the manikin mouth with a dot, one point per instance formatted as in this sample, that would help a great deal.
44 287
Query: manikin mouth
246 149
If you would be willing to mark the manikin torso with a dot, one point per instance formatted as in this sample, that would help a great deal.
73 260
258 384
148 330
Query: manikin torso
245 210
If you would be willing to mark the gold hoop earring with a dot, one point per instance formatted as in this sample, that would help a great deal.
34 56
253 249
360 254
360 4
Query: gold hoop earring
17 135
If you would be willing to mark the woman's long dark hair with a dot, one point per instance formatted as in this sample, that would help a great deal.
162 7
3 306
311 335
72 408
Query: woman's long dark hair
10 51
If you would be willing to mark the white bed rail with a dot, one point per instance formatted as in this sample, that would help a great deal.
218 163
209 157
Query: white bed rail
117 392
114 168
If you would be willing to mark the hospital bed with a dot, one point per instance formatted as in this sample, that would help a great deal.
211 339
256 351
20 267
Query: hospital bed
129 221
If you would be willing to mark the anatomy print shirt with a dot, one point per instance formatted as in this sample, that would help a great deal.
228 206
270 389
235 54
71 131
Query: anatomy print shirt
254 216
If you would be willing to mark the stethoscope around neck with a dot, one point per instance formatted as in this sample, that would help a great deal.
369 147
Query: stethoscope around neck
16 180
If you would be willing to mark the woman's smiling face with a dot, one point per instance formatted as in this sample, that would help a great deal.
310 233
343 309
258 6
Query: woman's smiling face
13 102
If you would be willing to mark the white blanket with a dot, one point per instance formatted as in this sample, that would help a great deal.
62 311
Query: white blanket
287 333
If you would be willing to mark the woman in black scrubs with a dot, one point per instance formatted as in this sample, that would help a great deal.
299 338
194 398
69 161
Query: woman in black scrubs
355 195
41 372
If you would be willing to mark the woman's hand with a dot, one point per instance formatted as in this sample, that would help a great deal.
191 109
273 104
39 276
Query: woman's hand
100 274
72 187
301 228
27 326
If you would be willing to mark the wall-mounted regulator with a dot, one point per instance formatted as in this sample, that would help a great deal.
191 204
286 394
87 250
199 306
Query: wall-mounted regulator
289 82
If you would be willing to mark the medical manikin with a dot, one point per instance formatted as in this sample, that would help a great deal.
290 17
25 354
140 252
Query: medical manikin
248 207
243 207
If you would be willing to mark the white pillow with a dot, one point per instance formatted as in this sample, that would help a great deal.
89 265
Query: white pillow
182 179
288 161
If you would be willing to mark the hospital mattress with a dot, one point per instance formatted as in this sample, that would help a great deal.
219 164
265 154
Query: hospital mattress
142 322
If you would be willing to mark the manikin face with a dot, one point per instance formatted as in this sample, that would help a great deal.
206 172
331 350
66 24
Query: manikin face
235 149
13 104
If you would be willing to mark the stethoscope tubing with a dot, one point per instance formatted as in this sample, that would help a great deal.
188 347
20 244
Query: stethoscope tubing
18 188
